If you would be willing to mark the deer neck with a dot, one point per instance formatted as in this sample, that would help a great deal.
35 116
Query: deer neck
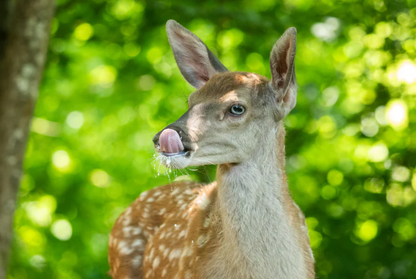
253 206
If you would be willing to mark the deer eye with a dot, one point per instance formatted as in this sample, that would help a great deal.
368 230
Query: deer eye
237 110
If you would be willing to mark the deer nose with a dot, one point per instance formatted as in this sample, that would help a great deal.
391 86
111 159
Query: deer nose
169 141
156 139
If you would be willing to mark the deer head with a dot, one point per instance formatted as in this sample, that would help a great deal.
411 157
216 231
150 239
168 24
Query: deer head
230 113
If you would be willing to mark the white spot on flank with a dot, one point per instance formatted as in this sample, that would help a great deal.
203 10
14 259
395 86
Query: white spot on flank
156 262
175 253
138 243
150 228
114 242
187 251
162 235
127 231
162 211
166 252
152 252
126 220
182 234
203 201
157 193
128 211
126 250
122 244
137 261
164 272
150 200
175 191
202 240
188 192
143 195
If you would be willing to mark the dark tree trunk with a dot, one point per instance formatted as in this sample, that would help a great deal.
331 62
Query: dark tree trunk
24 35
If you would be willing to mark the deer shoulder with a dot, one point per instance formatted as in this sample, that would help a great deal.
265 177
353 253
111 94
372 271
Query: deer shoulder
162 227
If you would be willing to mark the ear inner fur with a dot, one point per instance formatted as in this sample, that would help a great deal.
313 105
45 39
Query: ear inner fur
195 61
282 67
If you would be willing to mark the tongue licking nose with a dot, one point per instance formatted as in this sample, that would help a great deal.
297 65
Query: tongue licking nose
170 142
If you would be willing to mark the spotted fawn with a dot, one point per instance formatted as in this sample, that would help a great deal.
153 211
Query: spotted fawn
243 226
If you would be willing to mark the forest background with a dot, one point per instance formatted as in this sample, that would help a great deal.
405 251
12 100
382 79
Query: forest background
111 82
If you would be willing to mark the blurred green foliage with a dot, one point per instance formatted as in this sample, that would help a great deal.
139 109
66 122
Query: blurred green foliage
111 83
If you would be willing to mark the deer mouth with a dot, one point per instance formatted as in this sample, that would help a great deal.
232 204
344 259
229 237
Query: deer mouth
170 144
186 153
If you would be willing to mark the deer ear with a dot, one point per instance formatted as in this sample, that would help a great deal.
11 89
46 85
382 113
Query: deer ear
195 61
282 65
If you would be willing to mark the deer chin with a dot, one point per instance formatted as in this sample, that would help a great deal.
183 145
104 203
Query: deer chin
177 160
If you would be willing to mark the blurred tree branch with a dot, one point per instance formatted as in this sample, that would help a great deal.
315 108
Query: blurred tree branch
24 34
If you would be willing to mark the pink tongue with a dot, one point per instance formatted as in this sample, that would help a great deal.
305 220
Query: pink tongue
170 142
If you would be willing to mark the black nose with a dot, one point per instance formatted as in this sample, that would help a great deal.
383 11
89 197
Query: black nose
156 138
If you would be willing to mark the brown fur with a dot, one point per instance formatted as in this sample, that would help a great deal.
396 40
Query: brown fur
222 83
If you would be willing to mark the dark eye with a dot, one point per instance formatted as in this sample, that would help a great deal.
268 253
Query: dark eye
237 110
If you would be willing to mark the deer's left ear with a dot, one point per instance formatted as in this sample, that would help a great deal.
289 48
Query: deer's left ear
282 66
195 61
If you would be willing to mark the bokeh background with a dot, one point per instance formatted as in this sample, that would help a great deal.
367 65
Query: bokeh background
111 83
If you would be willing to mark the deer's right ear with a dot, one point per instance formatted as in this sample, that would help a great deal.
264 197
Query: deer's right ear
282 66
195 61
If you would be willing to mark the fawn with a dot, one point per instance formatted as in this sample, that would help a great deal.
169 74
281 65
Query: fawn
243 226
